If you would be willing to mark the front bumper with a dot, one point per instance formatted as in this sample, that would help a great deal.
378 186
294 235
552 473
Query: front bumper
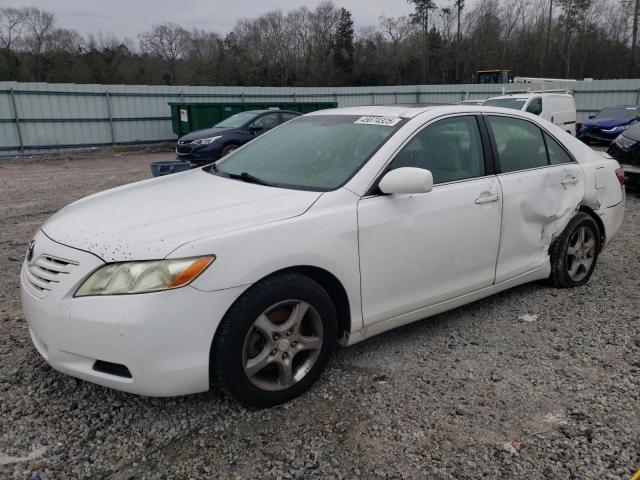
163 339
598 135
200 153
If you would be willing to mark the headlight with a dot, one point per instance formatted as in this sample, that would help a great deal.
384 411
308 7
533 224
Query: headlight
616 129
143 277
206 141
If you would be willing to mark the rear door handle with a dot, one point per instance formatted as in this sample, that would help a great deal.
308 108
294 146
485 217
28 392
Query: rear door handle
569 181
487 199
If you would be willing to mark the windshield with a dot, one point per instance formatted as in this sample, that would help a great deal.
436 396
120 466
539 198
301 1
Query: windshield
318 152
618 112
515 103
237 120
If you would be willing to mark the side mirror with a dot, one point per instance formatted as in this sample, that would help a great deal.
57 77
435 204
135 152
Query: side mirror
406 180
592 116
255 129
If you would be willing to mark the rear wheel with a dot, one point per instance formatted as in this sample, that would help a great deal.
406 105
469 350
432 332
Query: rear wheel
275 341
575 253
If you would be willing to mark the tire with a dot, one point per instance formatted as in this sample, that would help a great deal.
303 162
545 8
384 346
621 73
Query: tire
228 149
241 343
572 259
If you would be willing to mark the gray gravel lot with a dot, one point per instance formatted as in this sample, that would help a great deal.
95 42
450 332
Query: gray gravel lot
531 383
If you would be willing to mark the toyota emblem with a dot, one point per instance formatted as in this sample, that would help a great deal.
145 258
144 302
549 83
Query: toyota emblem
30 248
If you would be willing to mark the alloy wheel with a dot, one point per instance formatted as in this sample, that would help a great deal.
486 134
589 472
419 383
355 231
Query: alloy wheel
282 345
581 253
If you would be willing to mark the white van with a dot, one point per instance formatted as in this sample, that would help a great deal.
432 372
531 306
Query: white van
558 108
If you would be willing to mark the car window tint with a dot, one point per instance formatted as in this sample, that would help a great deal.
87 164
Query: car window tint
267 121
520 144
288 116
451 149
535 106
557 154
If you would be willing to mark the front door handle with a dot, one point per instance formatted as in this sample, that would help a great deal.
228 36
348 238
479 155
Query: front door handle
487 199
569 180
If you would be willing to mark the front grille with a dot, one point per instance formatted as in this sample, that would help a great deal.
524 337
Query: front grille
46 271
183 150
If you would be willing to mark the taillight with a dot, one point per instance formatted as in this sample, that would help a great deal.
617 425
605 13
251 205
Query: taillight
620 175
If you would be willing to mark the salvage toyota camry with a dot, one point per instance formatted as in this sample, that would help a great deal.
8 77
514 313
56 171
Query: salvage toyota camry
333 227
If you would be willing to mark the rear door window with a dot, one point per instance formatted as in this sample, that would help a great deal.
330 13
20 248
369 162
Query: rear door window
267 122
520 144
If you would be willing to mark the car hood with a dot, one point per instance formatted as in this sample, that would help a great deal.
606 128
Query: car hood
149 219
206 133
606 122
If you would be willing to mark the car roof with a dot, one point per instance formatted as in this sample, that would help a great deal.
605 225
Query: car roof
525 96
266 110
411 111
402 110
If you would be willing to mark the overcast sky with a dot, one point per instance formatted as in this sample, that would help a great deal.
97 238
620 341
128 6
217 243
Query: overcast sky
128 18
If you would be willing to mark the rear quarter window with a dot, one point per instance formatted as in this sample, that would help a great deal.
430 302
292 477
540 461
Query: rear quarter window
557 154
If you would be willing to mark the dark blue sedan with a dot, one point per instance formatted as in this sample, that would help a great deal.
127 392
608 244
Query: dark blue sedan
608 124
211 144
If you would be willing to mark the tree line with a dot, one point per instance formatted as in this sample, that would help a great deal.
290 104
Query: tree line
445 43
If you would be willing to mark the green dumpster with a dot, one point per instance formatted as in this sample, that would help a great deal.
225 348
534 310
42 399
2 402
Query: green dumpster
189 117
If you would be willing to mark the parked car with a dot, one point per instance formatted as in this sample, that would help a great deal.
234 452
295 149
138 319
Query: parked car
608 124
336 226
205 146
626 150
558 108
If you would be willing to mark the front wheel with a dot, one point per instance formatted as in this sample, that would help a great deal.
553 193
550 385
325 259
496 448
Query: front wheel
575 253
228 149
275 341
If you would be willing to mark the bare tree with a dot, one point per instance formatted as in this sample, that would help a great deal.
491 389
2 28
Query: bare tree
421 17
169 42
634 37
12 22
39 28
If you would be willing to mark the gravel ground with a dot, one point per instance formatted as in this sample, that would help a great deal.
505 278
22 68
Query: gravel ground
531 383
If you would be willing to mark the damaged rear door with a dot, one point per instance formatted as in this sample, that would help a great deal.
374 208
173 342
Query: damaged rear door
541 186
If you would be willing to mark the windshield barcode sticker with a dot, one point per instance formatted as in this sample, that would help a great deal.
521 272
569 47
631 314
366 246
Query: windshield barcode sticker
384 121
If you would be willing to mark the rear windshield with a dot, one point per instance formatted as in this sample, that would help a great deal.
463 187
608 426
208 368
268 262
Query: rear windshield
318 152
618 112
514 103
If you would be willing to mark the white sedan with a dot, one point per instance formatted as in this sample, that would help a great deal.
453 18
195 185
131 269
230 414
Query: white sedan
333 227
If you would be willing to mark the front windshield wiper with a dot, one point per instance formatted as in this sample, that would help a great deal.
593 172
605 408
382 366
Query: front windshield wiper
247 177
244 176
